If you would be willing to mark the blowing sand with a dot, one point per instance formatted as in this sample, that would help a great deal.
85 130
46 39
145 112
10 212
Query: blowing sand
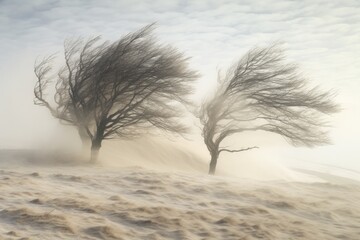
135 203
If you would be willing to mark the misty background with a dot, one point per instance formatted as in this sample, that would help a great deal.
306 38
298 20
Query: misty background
323 37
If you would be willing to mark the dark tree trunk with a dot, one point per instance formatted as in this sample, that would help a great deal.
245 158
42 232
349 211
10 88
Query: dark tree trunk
95 148
85 139
96 143
213 162
85 143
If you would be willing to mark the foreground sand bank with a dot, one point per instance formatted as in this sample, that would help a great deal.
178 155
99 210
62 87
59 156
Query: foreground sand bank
134 203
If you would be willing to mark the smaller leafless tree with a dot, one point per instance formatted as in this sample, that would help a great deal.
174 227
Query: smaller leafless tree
262 92
119 90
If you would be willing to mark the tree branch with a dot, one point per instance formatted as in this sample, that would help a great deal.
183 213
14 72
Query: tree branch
236 150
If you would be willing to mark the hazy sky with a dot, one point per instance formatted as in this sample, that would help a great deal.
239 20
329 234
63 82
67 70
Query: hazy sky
322 36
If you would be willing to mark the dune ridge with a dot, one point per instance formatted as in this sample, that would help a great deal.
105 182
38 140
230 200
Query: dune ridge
136 203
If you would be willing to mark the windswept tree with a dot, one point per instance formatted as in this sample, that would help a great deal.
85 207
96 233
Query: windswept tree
120 89
262 92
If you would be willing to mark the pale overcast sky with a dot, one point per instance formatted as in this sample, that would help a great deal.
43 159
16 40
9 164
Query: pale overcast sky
323 37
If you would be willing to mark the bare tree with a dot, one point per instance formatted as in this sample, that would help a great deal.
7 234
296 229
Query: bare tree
119 89
262 92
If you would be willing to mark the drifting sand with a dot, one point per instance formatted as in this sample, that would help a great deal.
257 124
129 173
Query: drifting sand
80 202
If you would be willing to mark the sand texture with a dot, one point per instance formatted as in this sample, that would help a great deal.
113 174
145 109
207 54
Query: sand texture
134 203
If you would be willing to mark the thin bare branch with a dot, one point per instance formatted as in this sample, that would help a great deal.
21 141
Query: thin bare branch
236 150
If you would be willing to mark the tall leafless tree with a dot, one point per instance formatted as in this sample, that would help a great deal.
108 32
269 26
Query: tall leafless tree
119 89
262 92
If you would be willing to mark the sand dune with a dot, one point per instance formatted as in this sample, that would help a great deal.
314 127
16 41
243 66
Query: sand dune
135 203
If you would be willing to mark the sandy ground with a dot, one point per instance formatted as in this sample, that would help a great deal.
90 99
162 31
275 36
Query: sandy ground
83 202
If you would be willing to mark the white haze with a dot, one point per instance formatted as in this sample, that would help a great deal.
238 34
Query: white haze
322 37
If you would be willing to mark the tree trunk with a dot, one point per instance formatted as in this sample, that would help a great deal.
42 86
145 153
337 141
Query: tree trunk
86 142
96 143
85 139
213 162
95 148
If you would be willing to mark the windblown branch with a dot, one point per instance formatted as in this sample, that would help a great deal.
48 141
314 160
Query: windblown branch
236 150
